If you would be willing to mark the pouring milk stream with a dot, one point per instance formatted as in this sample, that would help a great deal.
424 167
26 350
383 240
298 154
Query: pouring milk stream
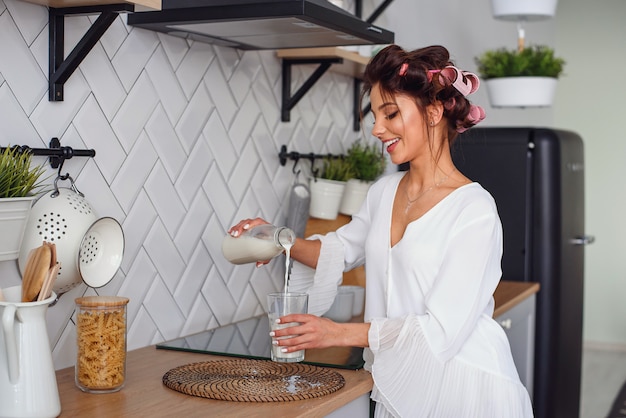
264 242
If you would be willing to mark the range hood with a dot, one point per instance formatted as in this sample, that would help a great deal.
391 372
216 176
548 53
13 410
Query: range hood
261 24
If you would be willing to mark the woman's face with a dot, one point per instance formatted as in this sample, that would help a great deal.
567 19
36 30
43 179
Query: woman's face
399 124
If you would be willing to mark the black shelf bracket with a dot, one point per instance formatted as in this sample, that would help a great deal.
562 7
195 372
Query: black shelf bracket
56 153
358 112
358 12
290 101
60 67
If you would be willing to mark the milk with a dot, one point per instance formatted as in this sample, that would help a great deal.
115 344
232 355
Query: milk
246 249
259 243
277 354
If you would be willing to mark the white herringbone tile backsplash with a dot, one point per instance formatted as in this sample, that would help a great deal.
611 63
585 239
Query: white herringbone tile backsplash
187 137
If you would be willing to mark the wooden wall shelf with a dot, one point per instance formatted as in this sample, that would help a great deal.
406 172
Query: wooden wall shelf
352 63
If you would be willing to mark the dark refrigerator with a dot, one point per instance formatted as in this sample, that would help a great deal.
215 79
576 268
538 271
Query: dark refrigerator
536 177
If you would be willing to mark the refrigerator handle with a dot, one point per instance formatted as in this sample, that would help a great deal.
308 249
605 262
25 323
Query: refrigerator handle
583 240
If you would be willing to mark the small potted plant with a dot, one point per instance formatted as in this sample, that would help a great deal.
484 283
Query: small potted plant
19 185
523 77
327 190
367 164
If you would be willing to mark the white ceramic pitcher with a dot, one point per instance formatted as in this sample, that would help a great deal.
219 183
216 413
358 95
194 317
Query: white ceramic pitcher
28 386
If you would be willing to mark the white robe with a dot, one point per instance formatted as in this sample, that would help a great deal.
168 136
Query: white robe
434 349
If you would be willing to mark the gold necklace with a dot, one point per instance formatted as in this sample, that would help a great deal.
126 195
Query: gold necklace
410 202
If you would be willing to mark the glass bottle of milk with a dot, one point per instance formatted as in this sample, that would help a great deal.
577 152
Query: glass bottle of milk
259 243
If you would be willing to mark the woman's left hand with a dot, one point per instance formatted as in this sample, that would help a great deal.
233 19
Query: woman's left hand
310 331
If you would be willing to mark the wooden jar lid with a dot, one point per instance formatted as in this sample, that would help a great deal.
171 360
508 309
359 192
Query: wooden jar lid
95 301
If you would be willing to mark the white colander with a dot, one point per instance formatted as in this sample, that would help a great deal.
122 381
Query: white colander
63 217
101 252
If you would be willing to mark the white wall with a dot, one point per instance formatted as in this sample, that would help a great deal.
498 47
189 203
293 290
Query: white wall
187 138
591 101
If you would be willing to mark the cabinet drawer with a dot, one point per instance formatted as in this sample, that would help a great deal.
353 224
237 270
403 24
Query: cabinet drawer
519 325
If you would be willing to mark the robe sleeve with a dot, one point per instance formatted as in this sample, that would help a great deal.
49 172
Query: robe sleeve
340 251
321 283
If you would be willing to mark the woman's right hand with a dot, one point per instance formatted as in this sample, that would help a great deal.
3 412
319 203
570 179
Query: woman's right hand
245 224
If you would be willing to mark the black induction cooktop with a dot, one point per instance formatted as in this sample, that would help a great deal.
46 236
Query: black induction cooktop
250 339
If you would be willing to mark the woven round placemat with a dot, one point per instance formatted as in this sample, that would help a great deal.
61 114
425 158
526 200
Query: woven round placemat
244 380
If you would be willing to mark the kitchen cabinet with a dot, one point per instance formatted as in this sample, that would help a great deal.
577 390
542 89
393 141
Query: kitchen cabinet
152 4
518 322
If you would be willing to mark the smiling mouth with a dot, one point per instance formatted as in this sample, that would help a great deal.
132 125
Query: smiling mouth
391 142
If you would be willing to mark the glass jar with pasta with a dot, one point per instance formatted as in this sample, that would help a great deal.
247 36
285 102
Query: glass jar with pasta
101 338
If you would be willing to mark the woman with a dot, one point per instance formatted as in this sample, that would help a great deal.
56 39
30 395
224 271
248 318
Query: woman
431 242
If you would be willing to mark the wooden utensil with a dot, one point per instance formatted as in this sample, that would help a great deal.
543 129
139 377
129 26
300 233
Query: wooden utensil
53 272
36 271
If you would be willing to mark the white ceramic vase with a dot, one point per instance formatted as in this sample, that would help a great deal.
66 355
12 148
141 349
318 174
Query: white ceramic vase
353 196
14 213
325 198
521 91
523 10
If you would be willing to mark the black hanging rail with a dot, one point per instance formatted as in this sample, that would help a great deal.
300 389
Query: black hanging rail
295 156
56 152
283 155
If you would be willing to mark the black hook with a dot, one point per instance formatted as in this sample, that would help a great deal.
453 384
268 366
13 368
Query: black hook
295 163
58 160
283 156
314 170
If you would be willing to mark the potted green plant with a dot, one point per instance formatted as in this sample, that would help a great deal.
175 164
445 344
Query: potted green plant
367 164
19 184
327 190
520 78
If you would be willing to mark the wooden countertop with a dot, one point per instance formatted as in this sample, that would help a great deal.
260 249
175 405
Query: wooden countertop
510 293
145 395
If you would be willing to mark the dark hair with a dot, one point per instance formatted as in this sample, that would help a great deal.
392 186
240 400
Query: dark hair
385 69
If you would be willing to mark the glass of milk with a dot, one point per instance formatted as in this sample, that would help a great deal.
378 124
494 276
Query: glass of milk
280 304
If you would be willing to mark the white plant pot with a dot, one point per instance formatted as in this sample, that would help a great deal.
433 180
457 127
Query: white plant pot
14 212
520 10
353 196
521 91
325 198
